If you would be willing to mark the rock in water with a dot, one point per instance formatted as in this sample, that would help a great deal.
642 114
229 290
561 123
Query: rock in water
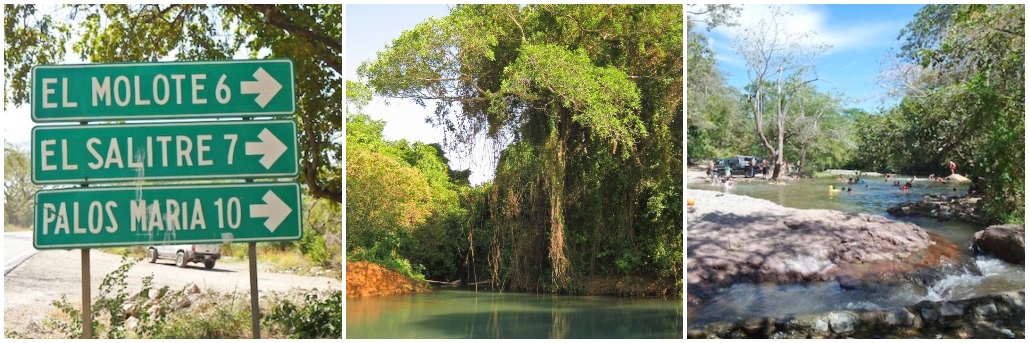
1005 241
957 178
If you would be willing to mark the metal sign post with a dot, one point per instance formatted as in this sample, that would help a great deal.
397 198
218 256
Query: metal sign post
87 306
255 309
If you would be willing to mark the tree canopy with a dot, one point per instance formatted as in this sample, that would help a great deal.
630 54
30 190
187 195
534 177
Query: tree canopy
590 99
968 102
310 35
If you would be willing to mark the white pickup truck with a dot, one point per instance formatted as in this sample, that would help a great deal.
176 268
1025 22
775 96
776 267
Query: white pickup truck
185 253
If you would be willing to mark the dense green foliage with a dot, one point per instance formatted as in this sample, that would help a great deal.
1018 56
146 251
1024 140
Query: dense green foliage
968 104
402 199
311 319
717 126
965 102
19 191
589 98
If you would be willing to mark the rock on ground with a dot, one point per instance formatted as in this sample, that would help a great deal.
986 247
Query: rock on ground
966 209
1005 241
732 238
993 316
369 279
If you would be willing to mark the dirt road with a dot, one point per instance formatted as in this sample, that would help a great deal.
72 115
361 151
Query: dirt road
30 288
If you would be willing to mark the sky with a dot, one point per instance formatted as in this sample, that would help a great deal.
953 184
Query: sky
863 38
369 29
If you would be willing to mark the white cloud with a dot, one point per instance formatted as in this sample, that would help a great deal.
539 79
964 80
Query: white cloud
814 20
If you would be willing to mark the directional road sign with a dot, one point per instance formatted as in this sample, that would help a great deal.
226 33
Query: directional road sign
75 218
162 90
168 151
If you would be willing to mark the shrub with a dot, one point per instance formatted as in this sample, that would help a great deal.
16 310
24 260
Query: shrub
311 319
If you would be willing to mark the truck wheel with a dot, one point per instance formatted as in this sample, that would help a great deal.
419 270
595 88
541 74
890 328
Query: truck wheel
180 259
208 264
151 255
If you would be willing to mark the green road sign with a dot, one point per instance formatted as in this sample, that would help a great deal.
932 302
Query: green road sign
162 90
169 151
75 218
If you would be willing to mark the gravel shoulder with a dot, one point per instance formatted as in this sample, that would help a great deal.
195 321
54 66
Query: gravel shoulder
30 288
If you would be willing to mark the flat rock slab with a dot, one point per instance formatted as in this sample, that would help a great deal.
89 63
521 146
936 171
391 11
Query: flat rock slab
732 238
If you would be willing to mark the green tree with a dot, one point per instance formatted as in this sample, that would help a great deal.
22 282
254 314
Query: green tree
402 203
19 191
310 35
714 117
590 97
968 101
817 134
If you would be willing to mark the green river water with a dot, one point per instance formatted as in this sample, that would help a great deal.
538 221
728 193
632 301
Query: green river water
461 313
972 277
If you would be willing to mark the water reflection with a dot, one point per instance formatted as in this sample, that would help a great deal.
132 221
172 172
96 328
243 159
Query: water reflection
449 313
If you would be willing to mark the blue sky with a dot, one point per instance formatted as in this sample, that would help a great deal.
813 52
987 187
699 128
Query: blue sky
369 28
863 40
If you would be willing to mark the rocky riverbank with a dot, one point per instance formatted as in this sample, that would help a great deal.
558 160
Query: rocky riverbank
966 209
995 316
733 238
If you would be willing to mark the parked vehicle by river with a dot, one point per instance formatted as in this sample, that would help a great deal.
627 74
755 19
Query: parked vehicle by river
740 164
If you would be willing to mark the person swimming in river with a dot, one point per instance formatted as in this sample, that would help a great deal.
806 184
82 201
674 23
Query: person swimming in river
729 183
848 189
832 189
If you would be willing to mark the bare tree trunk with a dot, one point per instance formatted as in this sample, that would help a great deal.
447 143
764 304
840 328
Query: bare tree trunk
770 48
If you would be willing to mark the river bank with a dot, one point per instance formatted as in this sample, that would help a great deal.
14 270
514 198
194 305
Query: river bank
995 316
733 239
369 279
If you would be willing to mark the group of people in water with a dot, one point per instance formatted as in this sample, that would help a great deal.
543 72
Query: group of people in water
728 182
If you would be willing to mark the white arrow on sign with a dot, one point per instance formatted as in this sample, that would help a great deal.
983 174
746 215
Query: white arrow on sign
269 146
273 208
265 87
